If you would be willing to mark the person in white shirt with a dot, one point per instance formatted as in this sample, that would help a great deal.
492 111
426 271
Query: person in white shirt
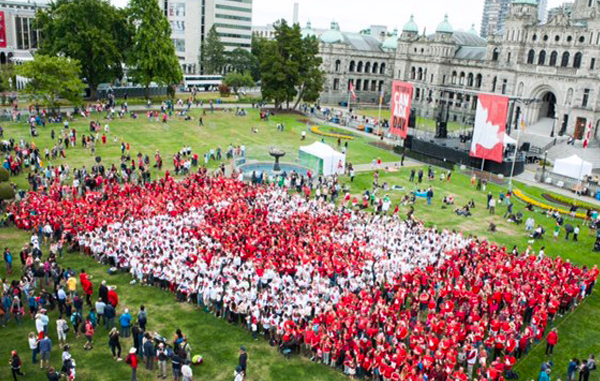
186 371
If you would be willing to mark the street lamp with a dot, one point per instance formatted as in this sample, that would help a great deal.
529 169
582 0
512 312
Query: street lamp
544 167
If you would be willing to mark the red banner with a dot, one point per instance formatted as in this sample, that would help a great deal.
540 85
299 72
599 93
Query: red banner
490 127
2 31
402 93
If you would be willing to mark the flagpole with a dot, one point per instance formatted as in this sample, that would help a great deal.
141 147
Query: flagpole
349 96
586 143
512 170
379 116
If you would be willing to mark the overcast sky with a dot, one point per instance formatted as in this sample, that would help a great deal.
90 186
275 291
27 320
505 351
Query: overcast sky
354 15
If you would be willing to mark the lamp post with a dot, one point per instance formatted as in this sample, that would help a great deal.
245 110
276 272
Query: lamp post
544 167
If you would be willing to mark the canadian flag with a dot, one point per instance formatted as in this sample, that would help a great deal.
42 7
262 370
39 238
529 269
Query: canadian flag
352 91
588 136
490 127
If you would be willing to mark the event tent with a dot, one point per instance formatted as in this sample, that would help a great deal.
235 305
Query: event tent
322 158
573 166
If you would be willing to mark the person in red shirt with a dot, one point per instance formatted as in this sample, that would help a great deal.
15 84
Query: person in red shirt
132 360
551 341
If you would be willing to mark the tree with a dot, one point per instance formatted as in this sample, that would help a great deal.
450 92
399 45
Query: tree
152 57
52 78
8 78
212 53
290 66
237 80
93 32
242 61
7 192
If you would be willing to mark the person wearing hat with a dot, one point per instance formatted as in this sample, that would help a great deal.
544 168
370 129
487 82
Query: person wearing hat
186 371
243 359
15 365
132 360
238 374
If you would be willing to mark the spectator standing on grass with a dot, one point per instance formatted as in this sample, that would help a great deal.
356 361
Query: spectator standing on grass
61 329
15 365
584 371
132 361
149 352
492 205
53 375
576 233
109 316
8 261
243 359
238 374
114 344
125 322
45 349
544 375
142 318
162 357
33 345
551 341
572 369
186 371
176 362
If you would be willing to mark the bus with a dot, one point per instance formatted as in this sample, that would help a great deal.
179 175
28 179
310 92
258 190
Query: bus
202 82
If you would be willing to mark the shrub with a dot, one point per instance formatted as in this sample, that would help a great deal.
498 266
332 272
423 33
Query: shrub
6 191
224 90
4 175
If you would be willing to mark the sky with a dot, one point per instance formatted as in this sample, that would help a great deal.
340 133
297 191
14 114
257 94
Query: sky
355 15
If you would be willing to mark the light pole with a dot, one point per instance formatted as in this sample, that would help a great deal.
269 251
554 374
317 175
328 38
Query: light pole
544 167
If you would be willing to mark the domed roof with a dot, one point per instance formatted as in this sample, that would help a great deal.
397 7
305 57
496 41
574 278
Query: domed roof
473 30
391 42
308 31
333 35
444 26
411 26
526 2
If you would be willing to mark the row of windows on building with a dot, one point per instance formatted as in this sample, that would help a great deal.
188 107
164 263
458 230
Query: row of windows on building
553 59
27 36
462 79
360 67
361 84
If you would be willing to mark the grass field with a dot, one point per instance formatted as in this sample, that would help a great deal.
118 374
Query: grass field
217 341
220 129
424 124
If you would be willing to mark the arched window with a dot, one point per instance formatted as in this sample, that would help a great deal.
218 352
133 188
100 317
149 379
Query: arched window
454 78
366 85
542 58
565 59
359 67
380 86
373 86
352 67
375 67
462 78
413 72
577 60
382 68
553 58
470 80
496 54
531 57
478 81
520 89
420 74
367 67
338 63
494 83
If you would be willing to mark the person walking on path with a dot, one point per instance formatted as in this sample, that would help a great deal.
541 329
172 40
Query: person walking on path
132 361
551 341
15 365
89 334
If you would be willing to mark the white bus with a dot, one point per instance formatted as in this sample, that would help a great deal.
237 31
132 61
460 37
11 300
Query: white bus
202 82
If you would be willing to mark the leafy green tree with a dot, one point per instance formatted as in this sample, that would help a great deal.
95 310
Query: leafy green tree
212 53
52 78
242 61
290 67
237 80
8 78
93 32
152 57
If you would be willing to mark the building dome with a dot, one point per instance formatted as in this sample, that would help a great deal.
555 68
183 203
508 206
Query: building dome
391 42
308 31
333 35
473 30
411 26
444 26
525 2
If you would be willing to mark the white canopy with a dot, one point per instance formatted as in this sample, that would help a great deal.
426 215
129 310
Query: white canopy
332 162
573 166
508 140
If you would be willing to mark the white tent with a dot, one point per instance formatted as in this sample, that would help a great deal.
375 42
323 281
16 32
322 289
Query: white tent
508 140
573 166
323 158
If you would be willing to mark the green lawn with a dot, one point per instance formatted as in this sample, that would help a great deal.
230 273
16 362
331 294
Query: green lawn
218 341
220 129
422 123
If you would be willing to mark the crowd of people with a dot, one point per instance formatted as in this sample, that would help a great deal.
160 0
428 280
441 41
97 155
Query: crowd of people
375 296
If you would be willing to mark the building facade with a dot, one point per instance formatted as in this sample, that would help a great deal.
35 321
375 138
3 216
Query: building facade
191 20
550 71
18 38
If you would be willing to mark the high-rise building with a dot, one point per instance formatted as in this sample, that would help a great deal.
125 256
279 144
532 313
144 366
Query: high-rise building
191 20
565 8
543 11
494 15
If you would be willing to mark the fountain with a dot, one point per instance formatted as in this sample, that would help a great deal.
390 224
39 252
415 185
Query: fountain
277 154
